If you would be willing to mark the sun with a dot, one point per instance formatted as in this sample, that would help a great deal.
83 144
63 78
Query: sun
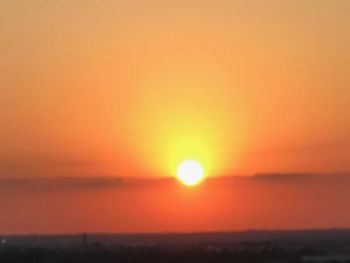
190 172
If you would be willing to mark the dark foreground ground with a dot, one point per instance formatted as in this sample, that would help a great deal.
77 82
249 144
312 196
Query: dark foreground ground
163 255
248 247
146 255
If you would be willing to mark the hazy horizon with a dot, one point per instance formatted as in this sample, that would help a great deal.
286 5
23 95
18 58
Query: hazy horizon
125 205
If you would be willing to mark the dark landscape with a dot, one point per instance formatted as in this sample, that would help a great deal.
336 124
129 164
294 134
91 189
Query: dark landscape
248 246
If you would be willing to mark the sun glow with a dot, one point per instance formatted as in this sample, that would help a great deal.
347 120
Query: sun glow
190 172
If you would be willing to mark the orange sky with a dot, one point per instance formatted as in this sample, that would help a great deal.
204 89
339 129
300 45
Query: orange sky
131 88
280 201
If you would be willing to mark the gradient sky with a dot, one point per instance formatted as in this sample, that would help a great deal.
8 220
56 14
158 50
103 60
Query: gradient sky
93 91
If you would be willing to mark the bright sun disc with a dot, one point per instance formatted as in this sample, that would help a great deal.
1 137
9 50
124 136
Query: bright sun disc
190 172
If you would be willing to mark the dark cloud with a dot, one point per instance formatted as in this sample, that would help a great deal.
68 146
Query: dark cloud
64 182
282 177
32 166
90 182
108 181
